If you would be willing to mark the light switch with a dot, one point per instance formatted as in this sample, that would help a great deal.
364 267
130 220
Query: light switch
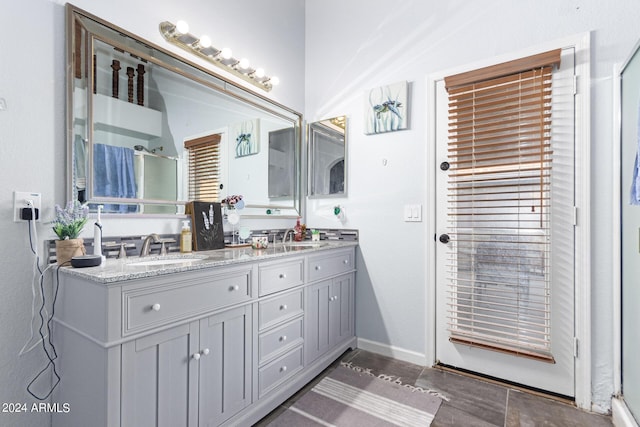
412 213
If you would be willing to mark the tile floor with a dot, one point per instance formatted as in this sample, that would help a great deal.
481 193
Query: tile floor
471 402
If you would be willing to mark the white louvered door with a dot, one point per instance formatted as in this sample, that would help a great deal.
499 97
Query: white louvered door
505 228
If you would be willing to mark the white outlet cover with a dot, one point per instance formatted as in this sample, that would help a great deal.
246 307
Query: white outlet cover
20 201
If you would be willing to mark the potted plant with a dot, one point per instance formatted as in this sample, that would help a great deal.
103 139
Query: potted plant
68 225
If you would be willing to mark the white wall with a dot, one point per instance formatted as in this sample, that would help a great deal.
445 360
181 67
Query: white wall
357 45
32 128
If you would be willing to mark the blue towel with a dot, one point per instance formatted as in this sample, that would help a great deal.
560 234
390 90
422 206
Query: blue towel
113 175
635 184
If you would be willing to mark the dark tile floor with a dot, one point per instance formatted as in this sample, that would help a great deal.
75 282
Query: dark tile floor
466 401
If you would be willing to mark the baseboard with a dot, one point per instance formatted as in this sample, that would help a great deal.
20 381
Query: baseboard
620 414
393 351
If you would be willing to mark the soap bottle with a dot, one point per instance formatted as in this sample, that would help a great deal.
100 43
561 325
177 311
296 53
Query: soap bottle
185 238
297 231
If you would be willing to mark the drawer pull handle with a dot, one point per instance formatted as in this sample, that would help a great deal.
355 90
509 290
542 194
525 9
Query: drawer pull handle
283 307
346 261
318 267
205 351
283 338
283 369
283 276
155 307
196 356
234 288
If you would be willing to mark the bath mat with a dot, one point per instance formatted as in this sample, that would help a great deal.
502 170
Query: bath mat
349 398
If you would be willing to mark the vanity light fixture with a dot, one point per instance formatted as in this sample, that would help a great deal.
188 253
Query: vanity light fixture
178 34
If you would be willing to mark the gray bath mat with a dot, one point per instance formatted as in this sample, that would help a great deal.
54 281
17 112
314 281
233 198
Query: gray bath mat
349 398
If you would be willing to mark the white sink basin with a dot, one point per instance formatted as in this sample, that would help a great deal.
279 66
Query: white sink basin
165 261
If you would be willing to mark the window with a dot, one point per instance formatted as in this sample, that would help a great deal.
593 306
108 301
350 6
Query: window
499 206
204 167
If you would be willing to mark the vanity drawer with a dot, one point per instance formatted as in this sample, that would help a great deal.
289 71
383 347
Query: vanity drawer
323 266
280 308
276 372
149 307
278 340
274 277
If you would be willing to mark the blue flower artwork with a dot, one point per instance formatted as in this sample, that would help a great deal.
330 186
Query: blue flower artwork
245 137
386 109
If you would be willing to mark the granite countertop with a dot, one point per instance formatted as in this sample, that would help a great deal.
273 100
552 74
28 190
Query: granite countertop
116 270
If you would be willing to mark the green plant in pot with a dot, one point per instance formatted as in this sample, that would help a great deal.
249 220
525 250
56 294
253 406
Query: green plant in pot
68 225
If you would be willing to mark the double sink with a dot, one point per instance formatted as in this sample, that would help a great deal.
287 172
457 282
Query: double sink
189 259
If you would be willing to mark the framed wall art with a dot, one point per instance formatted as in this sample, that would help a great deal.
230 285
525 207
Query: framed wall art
386 108
246 137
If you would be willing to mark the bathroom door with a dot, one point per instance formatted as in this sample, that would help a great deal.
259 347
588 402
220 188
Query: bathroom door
505 238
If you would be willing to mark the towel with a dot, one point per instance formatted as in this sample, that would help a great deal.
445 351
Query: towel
113 175
635 184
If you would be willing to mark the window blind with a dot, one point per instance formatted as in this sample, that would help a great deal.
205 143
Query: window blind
499 182
204 167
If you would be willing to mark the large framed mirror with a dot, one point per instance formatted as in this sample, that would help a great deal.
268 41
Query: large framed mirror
328 158
149 130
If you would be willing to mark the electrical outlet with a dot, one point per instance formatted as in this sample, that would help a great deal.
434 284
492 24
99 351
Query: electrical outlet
20 201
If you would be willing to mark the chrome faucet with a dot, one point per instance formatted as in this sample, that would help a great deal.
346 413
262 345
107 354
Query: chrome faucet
284 237
146 245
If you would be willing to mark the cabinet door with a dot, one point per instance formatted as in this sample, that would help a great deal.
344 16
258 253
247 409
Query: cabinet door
159 379
225 365
341 303
316 318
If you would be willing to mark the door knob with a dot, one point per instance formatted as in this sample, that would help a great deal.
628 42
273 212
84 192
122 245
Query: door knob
445 166
444 238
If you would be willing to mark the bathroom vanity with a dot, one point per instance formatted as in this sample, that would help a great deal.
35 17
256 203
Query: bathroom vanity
215 338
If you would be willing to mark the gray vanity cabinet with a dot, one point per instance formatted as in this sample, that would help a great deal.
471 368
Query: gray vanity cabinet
329 303
219 346
225 365
194 374
328 315
160 379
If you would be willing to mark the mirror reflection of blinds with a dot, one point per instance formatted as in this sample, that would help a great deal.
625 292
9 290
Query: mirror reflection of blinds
499 185
204 168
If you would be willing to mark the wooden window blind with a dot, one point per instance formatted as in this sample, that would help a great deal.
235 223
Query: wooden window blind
204 168
500 162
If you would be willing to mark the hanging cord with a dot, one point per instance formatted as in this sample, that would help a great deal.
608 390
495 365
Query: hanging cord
33 237
51 357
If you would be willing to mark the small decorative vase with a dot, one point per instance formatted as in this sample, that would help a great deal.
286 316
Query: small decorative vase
67 249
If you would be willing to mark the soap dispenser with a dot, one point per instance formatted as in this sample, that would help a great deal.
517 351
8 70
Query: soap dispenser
185 238
297 231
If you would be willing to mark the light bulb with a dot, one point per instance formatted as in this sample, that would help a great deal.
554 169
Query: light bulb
205 42
275 81
226 53
182 27
244 63
259 72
